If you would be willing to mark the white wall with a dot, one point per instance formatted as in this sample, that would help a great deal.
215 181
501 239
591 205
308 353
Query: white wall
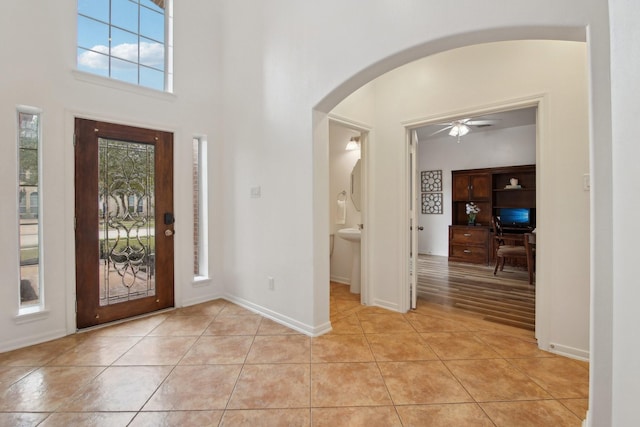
621 387
41 76
341 163
489 148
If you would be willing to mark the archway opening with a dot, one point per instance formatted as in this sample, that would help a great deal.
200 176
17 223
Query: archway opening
386 204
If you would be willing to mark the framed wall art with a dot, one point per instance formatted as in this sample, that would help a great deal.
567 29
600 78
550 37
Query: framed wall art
431 181
431 203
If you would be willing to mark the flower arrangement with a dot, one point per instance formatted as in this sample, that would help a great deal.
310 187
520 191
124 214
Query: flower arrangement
472 211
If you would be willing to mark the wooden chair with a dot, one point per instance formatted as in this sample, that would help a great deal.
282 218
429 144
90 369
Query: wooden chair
507 246
530 249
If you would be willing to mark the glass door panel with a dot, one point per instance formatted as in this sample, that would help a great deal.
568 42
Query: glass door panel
126 209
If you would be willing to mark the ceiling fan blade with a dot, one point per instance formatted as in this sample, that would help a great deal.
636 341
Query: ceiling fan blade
481 122
440 130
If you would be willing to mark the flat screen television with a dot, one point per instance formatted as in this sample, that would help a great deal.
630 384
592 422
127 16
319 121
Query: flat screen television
517 217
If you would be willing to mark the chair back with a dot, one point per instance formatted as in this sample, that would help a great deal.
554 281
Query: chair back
496 224
530 244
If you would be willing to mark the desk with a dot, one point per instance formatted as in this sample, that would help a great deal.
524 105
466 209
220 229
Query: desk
516 230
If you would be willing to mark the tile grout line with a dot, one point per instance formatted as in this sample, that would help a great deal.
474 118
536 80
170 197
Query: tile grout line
172 314
244 362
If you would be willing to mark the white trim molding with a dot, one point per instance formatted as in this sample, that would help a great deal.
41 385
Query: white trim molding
312 331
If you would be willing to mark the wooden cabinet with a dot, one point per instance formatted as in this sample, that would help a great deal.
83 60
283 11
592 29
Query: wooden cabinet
491 190
469 244
471 186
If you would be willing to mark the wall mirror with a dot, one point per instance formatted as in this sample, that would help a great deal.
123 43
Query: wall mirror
356 185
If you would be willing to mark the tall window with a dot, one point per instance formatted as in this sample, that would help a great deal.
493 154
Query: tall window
125 40
29 207
200 208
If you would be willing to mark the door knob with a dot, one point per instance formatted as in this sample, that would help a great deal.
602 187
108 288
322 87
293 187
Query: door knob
168 233
420 228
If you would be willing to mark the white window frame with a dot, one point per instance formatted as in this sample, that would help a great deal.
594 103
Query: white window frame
203 209
168 59
40 307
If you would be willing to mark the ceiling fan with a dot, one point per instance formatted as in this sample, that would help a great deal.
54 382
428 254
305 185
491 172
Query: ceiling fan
461 127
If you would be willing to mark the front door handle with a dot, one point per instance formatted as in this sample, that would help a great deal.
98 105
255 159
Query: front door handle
169 233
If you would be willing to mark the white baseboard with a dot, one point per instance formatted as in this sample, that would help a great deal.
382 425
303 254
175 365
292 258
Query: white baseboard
386 304
200 299
573 353
312 331
32 340
340 279
444 254
276 317
586 422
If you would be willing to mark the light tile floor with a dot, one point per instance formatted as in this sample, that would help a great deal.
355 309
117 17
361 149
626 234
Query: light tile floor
219 364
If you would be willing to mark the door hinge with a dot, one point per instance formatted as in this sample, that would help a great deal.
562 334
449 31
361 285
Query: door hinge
75 138
76 306
75 222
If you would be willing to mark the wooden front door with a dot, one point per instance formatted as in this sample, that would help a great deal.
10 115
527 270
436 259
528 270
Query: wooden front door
124 221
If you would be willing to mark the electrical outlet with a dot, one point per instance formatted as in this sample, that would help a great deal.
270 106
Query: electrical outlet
271 282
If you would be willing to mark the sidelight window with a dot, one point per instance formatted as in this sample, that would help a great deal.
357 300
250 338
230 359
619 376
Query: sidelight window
29 131
200 208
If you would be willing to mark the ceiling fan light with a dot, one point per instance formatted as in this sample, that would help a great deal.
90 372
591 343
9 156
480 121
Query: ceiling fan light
353 144
459 129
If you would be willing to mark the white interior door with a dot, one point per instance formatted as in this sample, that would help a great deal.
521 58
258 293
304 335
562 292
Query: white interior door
413 219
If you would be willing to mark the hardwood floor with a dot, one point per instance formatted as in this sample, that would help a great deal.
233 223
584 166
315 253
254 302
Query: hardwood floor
506 298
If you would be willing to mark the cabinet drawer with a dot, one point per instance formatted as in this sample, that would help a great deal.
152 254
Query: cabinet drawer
468 235
465 253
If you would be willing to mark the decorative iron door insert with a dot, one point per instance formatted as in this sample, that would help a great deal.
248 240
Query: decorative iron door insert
124 221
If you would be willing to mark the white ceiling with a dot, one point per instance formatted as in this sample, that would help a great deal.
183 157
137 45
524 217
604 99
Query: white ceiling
505 119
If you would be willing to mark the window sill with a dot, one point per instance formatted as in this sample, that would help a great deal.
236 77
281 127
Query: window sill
31 314
201 281
120 85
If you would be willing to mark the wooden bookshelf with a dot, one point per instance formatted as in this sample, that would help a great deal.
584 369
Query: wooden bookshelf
489 189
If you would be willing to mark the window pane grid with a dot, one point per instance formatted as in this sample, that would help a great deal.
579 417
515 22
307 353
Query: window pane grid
135 38
29 208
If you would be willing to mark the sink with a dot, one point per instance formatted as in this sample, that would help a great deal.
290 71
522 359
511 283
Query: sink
352 235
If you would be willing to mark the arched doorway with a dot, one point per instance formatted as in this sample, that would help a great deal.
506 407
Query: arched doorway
386 215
